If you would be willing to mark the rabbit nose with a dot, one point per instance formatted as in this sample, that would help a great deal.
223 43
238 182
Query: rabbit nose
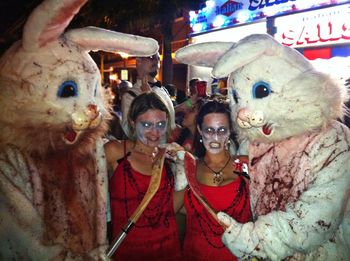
257 119
92 111
243 120
95 115
89 118
247 119
80 120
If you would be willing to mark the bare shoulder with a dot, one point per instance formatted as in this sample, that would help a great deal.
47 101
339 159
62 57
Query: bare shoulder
114 150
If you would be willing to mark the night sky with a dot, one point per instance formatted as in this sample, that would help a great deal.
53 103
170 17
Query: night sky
13 14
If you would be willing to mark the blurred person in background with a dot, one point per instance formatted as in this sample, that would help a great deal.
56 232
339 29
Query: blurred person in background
147 69
122 87
184 134
172 91
185 100
180 96
115 126
192 89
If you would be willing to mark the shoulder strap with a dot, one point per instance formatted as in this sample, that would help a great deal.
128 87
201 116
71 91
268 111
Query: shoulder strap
132 93
124 145
126 153
125 156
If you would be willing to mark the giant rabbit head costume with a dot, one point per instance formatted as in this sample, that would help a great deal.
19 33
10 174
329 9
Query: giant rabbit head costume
274 91
52 167
50 89
299 154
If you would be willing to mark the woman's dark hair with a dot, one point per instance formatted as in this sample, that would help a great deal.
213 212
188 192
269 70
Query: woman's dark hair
141 104
211 106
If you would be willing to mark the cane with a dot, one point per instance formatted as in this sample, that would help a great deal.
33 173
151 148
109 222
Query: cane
153 186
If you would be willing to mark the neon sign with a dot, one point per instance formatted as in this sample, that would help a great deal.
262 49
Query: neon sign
228 8
246 11
259 4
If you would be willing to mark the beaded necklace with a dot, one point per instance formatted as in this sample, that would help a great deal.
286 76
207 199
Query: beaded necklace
152 215
205 220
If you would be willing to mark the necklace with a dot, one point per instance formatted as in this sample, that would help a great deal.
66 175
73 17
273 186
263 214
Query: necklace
141 150
217 175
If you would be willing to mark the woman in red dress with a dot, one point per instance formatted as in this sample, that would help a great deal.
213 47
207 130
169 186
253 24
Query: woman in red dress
155 234
221 181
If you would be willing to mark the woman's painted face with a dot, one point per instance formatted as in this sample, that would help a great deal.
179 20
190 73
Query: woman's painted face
151 127
215 132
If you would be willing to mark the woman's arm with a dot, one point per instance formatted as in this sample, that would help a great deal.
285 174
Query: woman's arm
114 151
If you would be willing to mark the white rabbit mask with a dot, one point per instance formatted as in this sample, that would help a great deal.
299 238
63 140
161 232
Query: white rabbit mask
50 90
274 92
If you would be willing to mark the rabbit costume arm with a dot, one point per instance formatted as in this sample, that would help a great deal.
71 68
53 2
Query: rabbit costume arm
310 225
21 209
16 186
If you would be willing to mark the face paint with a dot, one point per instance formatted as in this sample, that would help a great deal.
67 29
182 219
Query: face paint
215 132
151 128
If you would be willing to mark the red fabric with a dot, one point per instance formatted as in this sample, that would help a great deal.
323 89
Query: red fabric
155 235
203 233
323 53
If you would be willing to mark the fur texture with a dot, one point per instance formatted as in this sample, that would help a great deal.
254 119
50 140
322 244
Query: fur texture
53 179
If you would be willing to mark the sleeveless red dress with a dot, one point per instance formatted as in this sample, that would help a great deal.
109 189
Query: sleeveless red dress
155 234
203 233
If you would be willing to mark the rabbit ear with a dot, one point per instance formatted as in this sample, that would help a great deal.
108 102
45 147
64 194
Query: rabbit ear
48 21
202 54
251 48
93 38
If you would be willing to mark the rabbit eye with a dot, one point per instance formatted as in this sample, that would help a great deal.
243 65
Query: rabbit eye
68 89
261 90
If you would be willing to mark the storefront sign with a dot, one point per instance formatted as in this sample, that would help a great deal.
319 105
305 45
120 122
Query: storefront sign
320 27
260 4
227 13
228 8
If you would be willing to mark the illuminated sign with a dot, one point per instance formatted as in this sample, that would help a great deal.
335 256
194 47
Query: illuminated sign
314 28
227 13
259 4
228 8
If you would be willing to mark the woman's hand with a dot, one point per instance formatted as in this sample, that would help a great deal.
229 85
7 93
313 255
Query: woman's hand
176 153
171 150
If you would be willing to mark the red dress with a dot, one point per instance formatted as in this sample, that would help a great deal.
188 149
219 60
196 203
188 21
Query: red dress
203 233
155 234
